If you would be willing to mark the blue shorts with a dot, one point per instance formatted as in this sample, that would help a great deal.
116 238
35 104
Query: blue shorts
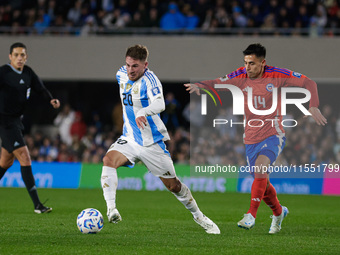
270 147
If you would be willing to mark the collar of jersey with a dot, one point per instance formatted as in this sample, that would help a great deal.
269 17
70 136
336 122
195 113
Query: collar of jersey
15 70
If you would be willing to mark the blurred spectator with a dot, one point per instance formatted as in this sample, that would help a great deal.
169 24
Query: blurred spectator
107 5
153 19
239 19
74 13
42 23
318 21
117 118
192 20
173 19
64 121
78 127
90 27
169 115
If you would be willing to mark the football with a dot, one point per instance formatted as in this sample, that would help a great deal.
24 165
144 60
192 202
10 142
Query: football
90 221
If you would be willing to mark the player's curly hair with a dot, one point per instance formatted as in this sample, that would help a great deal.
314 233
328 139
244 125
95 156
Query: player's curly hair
137 51
256 49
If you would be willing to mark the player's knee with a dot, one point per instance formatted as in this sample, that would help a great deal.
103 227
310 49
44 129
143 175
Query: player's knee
110 161
175 186
5 164
25 159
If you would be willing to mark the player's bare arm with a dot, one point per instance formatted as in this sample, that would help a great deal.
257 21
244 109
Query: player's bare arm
191 87
317 116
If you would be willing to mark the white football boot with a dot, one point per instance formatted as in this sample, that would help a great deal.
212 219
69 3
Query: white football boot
275 227
113 215
247 222
209 226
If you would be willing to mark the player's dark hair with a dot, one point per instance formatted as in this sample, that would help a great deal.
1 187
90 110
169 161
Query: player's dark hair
255 49
137 51
17 45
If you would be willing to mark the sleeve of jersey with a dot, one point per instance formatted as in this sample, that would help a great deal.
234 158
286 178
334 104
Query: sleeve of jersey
39 86
155 94
227 79
300 80
118 76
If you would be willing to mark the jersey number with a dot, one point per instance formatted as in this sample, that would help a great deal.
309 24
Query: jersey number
259 101
127 99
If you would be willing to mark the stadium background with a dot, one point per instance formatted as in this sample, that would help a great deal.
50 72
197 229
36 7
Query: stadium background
79 69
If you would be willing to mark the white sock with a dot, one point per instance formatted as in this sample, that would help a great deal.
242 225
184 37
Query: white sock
186 198
109 182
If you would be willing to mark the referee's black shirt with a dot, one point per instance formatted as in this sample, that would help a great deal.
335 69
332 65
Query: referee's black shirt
15 89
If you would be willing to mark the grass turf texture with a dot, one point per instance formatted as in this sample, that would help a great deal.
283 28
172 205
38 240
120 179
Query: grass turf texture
156 223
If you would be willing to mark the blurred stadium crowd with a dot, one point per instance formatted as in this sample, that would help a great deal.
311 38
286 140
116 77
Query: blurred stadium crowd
86 17
77 141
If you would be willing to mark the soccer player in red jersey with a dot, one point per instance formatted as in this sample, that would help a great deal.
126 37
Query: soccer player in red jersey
265 137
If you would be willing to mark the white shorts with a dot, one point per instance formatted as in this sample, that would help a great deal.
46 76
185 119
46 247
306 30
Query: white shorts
156 157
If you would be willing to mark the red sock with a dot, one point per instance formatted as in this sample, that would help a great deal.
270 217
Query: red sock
270 198
257 191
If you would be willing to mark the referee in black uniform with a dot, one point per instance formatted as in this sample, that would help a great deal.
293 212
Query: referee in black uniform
16 83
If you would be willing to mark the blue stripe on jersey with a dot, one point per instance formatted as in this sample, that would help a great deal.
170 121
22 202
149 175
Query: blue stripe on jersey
123 69
282 69
132 120
276 69
163 147
124 127
151 79
118 78
277 72
156 135
236 73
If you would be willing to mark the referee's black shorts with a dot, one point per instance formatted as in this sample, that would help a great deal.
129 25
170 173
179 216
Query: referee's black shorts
11 136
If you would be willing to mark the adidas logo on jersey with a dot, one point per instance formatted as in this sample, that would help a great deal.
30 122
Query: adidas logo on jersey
16 143
22 81
167 174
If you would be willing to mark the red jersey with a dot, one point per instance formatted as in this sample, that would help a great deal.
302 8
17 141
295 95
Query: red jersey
262 126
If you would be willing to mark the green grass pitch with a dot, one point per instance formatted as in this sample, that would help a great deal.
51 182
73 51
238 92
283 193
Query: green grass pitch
156 223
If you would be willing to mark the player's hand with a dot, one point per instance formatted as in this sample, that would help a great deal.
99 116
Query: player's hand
55 103
141 122
191 87
317 116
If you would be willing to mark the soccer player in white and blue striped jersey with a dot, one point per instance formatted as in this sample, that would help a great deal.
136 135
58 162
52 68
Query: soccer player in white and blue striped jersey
143 137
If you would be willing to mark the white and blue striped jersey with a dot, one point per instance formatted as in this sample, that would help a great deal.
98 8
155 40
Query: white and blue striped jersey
136 95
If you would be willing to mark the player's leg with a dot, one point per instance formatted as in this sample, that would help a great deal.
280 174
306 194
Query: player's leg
120 153
158 161
24 159
6 161
267 152
7 157
270 198
279 211
183 194
109 182
259 185
258 189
